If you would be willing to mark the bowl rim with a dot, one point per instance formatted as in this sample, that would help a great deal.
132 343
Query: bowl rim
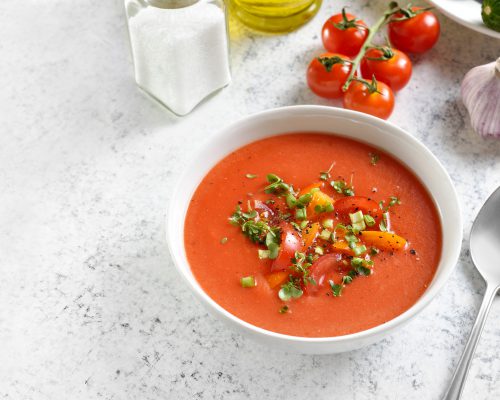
423 301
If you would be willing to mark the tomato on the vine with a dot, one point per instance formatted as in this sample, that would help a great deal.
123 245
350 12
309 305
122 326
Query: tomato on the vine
344 34
416 34
374 98
327 73
390 66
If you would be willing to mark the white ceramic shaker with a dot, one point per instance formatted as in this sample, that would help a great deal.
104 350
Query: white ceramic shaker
180 49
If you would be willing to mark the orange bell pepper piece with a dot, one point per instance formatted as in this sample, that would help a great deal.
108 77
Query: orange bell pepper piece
383 240
309 235
341 246
277 278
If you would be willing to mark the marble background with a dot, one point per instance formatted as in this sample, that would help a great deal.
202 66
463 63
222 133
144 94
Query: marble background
90 304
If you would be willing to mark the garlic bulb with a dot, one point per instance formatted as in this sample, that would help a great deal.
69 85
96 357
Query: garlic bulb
481 96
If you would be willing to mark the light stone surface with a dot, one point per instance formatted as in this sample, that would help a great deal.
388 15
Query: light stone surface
90 304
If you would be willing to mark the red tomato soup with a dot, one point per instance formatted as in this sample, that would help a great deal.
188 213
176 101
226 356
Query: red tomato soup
343 239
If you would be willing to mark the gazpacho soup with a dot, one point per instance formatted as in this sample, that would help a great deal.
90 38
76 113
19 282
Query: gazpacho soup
312 235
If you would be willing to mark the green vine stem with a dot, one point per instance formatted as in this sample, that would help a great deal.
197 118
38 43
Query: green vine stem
394 8
367 44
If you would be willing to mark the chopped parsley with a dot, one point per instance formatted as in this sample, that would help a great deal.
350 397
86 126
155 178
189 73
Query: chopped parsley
342 187
336 288
374 158
291 289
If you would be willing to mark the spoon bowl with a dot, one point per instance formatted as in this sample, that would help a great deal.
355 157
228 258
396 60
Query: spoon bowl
485 239
485 254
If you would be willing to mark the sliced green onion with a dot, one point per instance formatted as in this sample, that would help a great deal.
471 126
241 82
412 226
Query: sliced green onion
318 250
369 220
305 199
356 262
356 217
328 223
303 224
248 282
300 213
358 250
328 207
251 176
291 201
325 234
271 178
264 254
274 250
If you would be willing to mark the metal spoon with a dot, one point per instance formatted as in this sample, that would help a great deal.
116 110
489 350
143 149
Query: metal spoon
485 253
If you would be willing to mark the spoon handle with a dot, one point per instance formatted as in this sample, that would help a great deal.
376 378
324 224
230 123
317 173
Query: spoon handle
457 383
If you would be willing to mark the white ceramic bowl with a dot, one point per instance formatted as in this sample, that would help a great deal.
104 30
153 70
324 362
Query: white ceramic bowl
346 123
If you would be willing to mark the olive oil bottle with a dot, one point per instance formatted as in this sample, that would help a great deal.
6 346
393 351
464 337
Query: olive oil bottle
274 16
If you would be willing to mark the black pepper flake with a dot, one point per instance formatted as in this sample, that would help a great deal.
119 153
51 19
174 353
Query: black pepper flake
413 252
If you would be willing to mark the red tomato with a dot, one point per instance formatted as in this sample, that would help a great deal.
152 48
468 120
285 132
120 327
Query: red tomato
290 243
359 97
344 41
395 72
320 269
415 35
327 83
351 204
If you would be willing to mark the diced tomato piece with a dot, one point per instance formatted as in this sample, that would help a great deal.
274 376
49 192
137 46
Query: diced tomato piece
290 243
351 204
320 269
383 240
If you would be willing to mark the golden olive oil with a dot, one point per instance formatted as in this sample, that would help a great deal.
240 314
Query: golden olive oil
274 16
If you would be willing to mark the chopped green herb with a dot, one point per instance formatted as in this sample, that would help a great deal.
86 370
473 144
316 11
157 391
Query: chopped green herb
384 224
374 251
274 250
263 254
305 199
347 279
394 201
374 158
358 250
319 250
300 213
270 201
342 188
369 220
248 282
303 224
324 176
251 176
277 186
296 226
328 223
290 290
327 207
358 223
336 288
283 310
224 240
301 264
291 201
325 234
